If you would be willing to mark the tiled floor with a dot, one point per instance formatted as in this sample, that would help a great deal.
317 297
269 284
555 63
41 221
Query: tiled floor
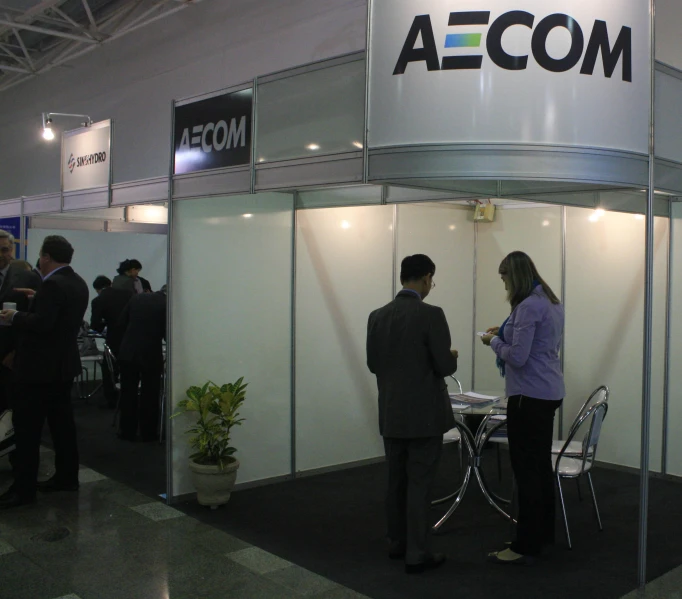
110 542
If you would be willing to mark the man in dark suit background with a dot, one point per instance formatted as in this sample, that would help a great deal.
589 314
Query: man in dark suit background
12 277
105 313
141 361
45 365
408 349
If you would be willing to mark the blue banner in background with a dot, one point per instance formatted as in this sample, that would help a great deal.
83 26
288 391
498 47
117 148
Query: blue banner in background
13 226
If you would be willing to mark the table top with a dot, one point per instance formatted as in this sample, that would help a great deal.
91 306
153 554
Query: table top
499 406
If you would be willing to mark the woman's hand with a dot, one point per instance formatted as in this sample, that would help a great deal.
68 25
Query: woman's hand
493 330
487 338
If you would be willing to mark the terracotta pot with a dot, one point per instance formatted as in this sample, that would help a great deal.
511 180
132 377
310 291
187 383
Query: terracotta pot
214 486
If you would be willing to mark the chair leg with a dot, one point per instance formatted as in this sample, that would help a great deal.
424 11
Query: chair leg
499 463
577 484
563 509
594 501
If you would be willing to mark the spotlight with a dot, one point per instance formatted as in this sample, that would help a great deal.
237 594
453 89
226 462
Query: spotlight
47 129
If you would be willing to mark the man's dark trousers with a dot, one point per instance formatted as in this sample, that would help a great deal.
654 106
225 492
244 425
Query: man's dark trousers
412 467
148 380
34 404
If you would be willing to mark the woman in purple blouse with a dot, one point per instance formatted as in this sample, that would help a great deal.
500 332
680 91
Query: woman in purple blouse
527 349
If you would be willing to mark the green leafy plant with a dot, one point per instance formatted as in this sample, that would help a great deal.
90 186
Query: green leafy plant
218 410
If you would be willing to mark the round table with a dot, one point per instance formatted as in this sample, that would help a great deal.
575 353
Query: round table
474 444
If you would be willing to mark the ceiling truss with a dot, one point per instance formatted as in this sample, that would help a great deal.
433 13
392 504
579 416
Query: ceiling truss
51 33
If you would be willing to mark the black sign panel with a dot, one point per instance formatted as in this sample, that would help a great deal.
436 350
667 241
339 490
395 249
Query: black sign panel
213 133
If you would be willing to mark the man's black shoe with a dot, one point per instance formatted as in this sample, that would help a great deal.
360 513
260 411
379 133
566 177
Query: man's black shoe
12 499
432 562
53 484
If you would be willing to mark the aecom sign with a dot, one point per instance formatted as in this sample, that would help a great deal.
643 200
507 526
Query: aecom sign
598 43
566 72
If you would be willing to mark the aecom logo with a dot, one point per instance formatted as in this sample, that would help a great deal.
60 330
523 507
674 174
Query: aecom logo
598 42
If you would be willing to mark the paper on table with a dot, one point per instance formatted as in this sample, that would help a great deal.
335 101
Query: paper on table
472 399
480 395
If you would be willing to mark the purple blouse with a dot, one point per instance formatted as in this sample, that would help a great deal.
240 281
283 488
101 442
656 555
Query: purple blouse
531 348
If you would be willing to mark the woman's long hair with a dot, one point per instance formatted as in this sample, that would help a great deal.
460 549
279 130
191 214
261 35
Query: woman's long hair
521 277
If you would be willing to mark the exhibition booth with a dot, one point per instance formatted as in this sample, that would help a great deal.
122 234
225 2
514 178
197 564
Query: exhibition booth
292 198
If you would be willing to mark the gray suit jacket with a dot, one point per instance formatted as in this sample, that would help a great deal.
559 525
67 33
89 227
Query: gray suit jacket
408 349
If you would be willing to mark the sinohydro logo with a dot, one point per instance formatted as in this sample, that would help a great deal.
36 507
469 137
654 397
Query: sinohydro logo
222 136
598 42
86 160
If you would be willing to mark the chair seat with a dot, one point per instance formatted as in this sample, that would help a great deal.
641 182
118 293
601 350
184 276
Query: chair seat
574 448
452 436
570 466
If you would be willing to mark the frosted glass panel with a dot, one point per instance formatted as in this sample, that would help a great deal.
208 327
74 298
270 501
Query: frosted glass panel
536 231
99 253
675 392
313 114
231 318
343 272
445 233
604 324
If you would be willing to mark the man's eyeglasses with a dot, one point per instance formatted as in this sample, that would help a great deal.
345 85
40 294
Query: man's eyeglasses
5 250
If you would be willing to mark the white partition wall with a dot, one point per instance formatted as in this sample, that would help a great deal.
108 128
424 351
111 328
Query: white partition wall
99 253
534 230
445 233
231 317
604 326
344 266
674 437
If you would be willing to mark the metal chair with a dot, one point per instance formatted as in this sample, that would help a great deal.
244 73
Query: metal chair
567 465
575 448
453 435
112 367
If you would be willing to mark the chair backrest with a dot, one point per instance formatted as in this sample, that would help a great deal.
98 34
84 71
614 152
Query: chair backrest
599 395
459 385
590 423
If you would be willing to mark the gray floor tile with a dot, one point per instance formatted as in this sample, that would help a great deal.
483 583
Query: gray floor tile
219 541
69 596
20 578
86 475
301 580
186 526
158 511
6 548
258 561
339 593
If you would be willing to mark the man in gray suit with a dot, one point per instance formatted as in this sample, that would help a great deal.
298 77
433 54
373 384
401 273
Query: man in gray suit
408 349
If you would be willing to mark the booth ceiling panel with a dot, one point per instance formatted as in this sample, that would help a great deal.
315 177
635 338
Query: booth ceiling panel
39 35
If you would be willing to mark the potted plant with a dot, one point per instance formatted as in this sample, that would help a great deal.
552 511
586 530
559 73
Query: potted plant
214 469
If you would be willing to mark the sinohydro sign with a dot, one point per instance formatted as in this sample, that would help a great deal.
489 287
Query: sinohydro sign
509 71
76 162
86 157
213 133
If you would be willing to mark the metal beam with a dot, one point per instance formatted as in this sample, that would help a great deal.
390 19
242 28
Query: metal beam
88 12
21 43
8 52
68 36
5 67
69 20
